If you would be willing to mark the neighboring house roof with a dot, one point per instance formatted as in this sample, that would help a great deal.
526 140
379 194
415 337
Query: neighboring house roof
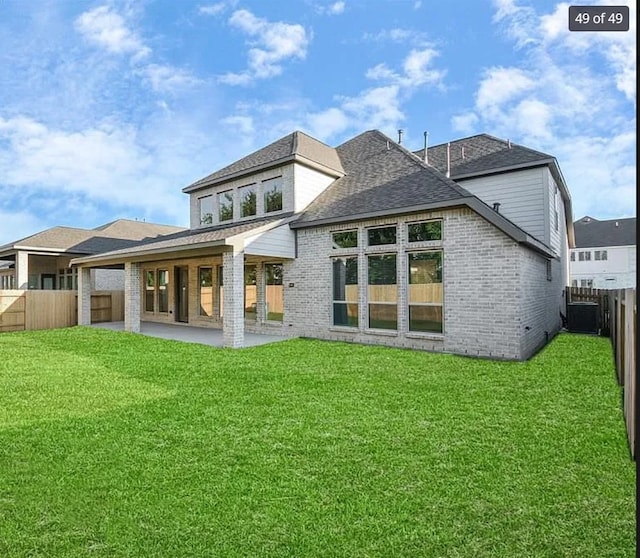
297 147
111 236
189 239
593 233
383 178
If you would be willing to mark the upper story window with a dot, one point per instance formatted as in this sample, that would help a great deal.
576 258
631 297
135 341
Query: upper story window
206 210
381 235
584 256
429 230
573 256
601 255
345 239
272 190
225 205
248 198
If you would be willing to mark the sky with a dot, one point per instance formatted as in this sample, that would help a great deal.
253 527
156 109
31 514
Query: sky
109 108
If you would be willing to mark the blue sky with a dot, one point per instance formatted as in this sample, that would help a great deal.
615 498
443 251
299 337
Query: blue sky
109 108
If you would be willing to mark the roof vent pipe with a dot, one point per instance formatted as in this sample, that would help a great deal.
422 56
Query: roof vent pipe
388 146
448 160
462 151
400 137
426 146
496 207
509 143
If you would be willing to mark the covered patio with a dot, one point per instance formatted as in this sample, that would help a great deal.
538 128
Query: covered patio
191 334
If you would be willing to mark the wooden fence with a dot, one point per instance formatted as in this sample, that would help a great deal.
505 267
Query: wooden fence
601 296
38 309
623 338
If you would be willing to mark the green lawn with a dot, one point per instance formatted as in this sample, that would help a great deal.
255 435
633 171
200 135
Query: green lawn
113 444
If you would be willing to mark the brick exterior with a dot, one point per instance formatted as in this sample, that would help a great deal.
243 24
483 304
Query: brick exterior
233 318
132 297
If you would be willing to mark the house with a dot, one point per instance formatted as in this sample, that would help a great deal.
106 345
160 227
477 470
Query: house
604 256
366 242
41 261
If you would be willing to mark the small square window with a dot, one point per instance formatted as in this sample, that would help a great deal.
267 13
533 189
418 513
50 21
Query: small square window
382 235
345 239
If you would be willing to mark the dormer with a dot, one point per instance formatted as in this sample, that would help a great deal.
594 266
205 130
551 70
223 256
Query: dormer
281 178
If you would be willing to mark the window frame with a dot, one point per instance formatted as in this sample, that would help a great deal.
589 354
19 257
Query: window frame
410 304
393 304
267 190
423 222
347 301
266 295
204 223
242 191
230 197
211 287
380 227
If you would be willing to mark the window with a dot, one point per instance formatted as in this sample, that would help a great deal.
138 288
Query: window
163 291
345 292
584 256
345 239
381 235
68 279
250 292
272 194
383 291
149 291
206 210
574 283
420 232
225 205
205 282
425 291
600 255
586 283
275 292
248 200
573 256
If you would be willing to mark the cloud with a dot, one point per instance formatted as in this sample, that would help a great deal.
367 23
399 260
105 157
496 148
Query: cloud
212 9
271 44
336 8
416 68
168 79
106 28
396 35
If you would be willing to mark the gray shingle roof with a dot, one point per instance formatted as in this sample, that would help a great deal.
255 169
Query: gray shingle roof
189 238
296 145
479 154
381 176
111 236
592 233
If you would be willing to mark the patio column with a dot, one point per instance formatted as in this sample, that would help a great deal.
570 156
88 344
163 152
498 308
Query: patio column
132 295
233 278
22 270
84 296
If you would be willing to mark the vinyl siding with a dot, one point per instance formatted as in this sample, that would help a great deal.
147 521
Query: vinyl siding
278 242
520 195
308 185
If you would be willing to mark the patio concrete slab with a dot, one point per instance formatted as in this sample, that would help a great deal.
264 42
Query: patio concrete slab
191 334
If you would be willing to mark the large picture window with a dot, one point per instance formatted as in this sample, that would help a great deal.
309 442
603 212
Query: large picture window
275 292
205 282
425 291
382 292
225 205
206 210
248 200
272 189
345 292
149 290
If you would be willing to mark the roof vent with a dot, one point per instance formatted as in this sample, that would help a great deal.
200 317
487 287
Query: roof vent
616 223
400 137
496 207
426 146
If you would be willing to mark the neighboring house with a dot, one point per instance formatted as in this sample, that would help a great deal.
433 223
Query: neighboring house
604 256
41 261
366 243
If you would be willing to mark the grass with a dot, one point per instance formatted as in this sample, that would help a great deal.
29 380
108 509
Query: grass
113 445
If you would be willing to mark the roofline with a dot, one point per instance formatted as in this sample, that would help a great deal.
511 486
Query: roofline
472 202
294 158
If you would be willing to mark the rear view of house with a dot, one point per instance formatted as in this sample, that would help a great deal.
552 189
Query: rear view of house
462 249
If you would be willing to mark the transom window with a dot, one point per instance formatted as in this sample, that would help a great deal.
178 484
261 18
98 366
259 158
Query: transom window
381 236
272 189
248 199
345 292
421 232
345 239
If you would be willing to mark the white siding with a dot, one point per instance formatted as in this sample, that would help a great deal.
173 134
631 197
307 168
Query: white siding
554 204
308 185
618 271
279 242
520 195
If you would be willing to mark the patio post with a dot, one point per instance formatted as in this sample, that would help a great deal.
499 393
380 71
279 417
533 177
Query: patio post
22 270
233 278
132 294
84 296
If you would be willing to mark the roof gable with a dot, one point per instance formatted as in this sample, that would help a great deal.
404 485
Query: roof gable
296 146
